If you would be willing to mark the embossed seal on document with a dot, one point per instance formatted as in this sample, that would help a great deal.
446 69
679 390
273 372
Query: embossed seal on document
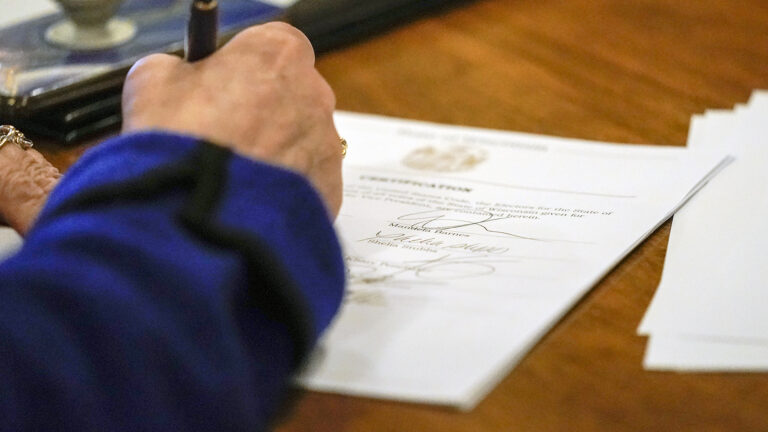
455 158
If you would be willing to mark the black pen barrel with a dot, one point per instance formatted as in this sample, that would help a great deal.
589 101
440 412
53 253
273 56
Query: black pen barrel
202 30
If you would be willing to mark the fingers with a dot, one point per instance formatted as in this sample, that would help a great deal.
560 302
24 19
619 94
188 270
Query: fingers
325 174
334 180
325 96
260 95
145 78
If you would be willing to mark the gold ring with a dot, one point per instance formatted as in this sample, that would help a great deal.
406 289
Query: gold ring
9 134
343 148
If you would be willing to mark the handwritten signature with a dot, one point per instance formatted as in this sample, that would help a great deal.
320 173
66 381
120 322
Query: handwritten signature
437 243
440 220
445 268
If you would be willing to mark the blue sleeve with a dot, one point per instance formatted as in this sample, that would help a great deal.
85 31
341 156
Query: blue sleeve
168 285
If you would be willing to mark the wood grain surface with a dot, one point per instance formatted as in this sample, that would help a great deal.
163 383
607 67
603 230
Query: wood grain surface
616 70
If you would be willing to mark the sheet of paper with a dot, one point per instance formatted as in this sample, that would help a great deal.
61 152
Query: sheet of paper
10 242
708 132
716 285
672 346
691 354
464 246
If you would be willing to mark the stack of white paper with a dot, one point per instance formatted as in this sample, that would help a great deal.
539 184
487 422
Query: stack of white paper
464 246
710 312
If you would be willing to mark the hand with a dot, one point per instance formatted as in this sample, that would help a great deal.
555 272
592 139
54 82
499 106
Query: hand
26 180
260 94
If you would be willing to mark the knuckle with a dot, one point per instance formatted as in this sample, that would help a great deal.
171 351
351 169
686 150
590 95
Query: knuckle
289 38
152 62
286 29
320 97
326 96
249 34
272 43
276 32
151 66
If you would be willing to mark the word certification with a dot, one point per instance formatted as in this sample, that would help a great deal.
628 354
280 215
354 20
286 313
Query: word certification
464 246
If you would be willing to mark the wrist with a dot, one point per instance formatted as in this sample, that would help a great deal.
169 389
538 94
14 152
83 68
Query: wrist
26 180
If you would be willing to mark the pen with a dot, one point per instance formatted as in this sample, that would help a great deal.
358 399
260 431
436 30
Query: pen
202 30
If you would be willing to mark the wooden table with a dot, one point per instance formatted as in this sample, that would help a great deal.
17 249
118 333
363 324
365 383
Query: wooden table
615 70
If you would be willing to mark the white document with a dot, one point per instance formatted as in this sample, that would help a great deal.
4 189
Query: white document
716 284
687 353
667 349
10 242
464 246
725 333
709 132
